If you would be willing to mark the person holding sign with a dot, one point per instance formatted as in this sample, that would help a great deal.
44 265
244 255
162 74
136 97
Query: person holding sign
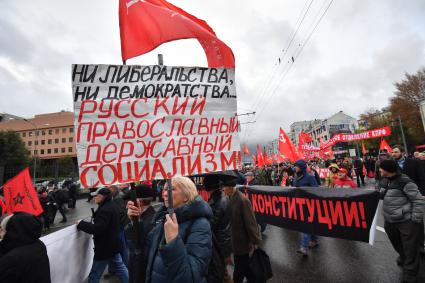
179 247
303 179
105 230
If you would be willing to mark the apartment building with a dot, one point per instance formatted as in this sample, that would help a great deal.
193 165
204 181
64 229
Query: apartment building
47 136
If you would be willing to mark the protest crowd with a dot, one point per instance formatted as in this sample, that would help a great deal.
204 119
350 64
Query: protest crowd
159 151
213 224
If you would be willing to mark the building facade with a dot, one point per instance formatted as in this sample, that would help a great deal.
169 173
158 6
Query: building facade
46 136
324 129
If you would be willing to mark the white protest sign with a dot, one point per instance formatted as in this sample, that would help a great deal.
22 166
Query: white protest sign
70 255
153 122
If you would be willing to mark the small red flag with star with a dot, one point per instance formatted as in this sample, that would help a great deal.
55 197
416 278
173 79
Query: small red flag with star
20 195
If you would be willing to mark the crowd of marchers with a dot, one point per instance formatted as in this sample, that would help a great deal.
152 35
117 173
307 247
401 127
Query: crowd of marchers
197 240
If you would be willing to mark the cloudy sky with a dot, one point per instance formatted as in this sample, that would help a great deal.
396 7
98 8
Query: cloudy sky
349 63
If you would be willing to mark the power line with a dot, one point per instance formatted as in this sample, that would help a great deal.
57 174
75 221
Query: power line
291 37
307 39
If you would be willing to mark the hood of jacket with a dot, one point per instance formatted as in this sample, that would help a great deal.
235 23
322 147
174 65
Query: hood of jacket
302 164
197 208
22 229
333 165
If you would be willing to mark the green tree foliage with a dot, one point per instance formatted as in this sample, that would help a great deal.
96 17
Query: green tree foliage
13 153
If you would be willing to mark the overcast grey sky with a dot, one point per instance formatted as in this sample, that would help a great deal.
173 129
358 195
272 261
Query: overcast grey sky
350 63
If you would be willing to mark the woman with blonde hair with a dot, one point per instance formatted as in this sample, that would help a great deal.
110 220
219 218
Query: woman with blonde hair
179 247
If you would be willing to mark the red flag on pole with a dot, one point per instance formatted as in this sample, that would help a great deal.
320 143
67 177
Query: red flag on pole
385 146
306 138
2 207
145 25
254 159
286 147
364 149
260 158
245 150
20 195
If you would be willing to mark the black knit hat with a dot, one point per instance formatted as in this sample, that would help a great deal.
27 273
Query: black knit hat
144 191
212 182
389 165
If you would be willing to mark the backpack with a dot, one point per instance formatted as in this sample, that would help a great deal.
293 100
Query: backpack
215 273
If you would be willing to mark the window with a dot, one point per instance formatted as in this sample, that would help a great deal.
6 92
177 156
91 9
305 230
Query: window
49 151
69 149
24 134
63 150
43 141
43 132
56 150
49 141
71 130
56 140
63 130
30 134
42 151
36 142
37 133
70 139
63 140
50 132
57 131
35 152
29 143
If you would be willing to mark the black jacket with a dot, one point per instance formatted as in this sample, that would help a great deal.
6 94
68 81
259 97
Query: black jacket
23 257
105 230
137 263
414 168
220 222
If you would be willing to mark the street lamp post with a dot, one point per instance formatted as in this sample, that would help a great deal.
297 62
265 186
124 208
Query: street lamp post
35 147
402 134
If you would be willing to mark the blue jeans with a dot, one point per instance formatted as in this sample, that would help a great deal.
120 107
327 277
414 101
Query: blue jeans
115 262
305 240
123 251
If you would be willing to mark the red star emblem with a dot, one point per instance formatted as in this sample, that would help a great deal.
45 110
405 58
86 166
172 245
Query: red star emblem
18 199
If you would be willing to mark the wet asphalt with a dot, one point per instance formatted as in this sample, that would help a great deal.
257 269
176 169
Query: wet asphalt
334 260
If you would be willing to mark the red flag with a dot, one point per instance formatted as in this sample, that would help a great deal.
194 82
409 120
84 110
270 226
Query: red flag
286 147
245 150
254 159
306 138
364 149
385 146
281 158
260 158
2 207
20 195
145 25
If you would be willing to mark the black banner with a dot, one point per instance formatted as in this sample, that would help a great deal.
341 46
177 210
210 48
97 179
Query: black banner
338 213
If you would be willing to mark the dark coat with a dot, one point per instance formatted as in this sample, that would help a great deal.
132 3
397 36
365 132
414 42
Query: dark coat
105 230
23 257
303 179
402 199
245 232
414 168
179 261
220 222
137 263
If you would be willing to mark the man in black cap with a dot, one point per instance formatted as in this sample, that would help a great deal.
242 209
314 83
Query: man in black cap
220 224
143 213
105 230
403 209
